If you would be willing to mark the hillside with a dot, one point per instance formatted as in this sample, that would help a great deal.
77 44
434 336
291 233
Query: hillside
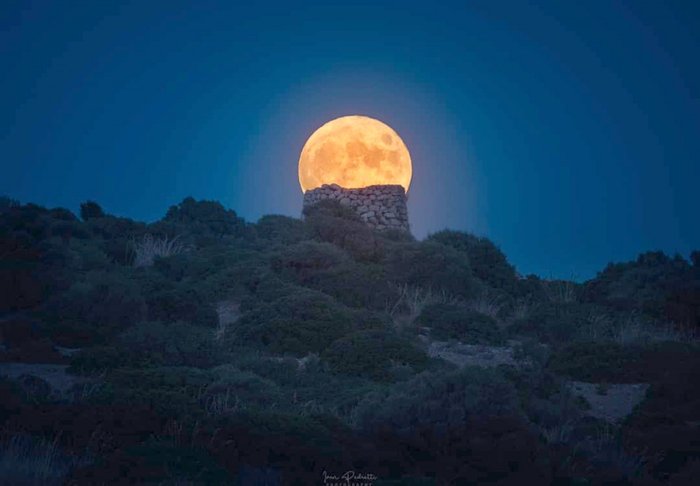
204 349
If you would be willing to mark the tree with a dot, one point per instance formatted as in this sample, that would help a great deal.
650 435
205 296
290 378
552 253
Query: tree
90 210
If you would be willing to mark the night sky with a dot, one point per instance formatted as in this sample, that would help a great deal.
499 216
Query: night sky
567 132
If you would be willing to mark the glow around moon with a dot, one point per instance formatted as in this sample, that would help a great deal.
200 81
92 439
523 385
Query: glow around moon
354 151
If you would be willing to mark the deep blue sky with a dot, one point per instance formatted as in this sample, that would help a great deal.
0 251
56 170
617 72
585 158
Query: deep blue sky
567 132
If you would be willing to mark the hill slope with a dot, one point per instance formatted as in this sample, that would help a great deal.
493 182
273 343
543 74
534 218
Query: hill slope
204 349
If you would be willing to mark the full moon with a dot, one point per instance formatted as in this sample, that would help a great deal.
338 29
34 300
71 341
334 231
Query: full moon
353 152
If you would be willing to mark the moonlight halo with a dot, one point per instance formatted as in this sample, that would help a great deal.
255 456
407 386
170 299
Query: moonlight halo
354 151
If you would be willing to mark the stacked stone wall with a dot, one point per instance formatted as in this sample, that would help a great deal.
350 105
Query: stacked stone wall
381 207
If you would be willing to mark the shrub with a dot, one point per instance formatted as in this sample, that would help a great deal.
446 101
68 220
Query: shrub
20 287
8 203
642 284
330 221
170 377
301 322
450 321
115 228
175 344
98 358
147 249
90 256
438 401
182 463
662 426
170 391
362 285
202 221
431 265
94 308
281 230
215 272
596 362
327 268
169 302
614 363
234 389
554 322
372 354
28 460
268 289
156 461
91 210
487 261
115 236
303 261
68 229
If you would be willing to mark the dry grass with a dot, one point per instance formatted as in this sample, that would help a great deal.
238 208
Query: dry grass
562 291
487 305
148 248
558 434
605 447
412 300
635 329
521 309
29 461
228 313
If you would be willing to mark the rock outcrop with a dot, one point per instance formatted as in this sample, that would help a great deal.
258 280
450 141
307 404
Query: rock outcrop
382 207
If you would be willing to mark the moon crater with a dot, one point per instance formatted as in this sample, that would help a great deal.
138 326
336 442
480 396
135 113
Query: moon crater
354 151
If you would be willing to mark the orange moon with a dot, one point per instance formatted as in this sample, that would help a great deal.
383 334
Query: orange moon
354 151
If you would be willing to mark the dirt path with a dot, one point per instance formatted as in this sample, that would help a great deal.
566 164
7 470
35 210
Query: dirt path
472 354
55 375
611 403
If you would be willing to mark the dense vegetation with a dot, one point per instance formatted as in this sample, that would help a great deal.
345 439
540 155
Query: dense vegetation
203 349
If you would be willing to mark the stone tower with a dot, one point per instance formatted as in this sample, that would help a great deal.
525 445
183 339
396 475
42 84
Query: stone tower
381 207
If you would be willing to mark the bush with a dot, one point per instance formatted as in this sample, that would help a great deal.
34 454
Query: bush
362 285
215 272
170 377
438 401
20 287
155 461
281 230
330 221
431 265
372 354
176 344
234 389
168 303
98 358
661 425
91 210
450 321
268 289
325 267
7 203
29 460
554 322
487 261
301 322
115 228
614 363
203 221
95 308
642 284
305 260
171 391
597 362
68 229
